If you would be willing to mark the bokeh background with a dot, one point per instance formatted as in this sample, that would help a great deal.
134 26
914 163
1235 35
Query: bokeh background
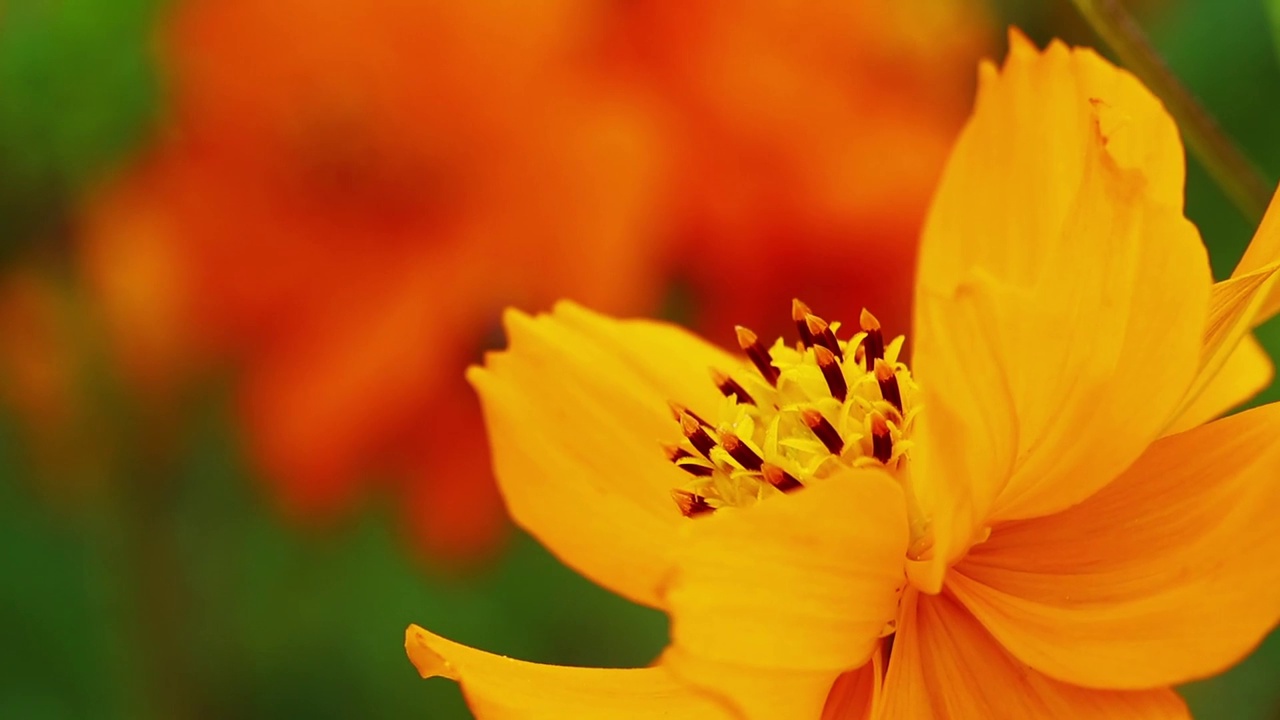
246 249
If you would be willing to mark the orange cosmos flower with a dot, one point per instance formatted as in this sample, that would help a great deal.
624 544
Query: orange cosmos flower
1039 519
344 215
804 140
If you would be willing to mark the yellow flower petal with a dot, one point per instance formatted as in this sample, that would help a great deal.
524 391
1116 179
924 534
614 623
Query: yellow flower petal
1263 252
576 408
1056 237
807 581
499 688
752 692
945 666
1234 306
1166 575
856 694
1244 373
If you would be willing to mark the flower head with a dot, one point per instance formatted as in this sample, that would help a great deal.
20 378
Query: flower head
1039 519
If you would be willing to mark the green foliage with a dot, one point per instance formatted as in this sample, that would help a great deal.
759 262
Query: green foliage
276 621
77 89
1273 9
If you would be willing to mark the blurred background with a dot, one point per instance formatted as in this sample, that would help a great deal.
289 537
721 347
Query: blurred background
247 248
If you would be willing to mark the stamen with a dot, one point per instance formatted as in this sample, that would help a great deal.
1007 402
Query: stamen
691 504
701 441
823 335
888 381
678 411
856 413
675 454
730 387
739 451
831 371
750 344
799 313
881 441
823 429
779 478
875 339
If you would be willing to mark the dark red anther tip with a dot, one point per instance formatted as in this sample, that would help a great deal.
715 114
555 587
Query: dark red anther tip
759 356
779 478
874 343
823 335
691 504
881 439
888 381
823 429
799 313
831 371
697 436
739 451
731 388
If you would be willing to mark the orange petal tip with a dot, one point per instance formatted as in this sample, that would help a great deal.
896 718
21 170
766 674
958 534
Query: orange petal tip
417 645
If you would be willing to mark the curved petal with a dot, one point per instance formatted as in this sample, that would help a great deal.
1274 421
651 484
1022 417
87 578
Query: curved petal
499 688
969 429
1244 373
1059 216
805 581
856 694
753 692
1234 306
576 408
1264 252
1166 575
945 666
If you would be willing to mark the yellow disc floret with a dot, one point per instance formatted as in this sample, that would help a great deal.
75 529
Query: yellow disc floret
802 413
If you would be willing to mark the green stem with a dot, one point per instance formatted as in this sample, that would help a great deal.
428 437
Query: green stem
1233 172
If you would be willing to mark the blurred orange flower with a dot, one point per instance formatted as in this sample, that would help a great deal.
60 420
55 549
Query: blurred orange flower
346 194
805 139
344 197
1041 518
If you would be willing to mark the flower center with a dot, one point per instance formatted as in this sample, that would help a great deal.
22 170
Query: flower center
803 413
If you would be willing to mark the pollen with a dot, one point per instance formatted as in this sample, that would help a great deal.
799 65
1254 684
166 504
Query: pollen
795 414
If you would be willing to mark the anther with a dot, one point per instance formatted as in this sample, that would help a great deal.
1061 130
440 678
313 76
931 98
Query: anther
779 478
875 339
799 313
675 454
888 384
739 451
823 335
691 504
830 368
678 411
701 441
823 429
750 344
881 440
730 387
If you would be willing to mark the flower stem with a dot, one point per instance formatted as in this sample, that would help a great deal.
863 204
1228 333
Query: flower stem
1238 178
